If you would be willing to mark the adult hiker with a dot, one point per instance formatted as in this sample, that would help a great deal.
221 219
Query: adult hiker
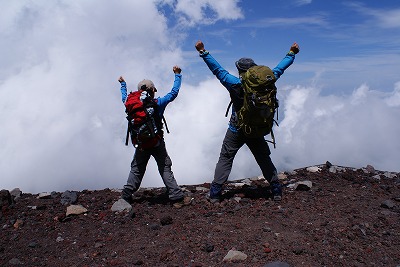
145 114
235 136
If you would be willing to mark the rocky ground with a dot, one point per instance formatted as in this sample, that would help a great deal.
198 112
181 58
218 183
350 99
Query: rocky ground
329 216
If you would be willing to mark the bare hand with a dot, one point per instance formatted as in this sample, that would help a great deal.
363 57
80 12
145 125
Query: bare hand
121 79
295 48
199 46
176 70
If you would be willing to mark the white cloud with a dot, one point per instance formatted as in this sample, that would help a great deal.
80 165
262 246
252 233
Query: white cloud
351 130
271 22
303 2
389 19
394 99
205 11
385 18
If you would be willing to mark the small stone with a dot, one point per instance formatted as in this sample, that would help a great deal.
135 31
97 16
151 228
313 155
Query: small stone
267 229
166 220
121 205
18 223
237 199
44 195
15 261
336 169
237 185
370 169
98 245
234 256
138 262
208 248
201 188
388 204
390 175
16 193
246 181
328 164
376 177
155 226
69 197
282 176
313 169
298 251
303 185
75 210
32 244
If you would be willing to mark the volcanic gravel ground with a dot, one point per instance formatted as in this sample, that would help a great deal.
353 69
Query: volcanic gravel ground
349 217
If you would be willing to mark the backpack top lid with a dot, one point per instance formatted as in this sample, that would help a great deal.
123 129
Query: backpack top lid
258 76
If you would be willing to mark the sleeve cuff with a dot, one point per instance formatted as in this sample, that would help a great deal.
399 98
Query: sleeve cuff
203 53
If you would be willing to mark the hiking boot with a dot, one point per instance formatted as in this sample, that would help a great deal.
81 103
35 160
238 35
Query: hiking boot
215 192
276 190
213 200
127 195
180 202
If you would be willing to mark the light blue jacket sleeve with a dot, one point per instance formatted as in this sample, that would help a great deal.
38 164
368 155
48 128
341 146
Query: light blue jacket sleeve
283 65
227 80
124 93
162 102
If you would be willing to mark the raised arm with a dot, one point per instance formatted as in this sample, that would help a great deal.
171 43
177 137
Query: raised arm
124 93
168 98
286 61
226 79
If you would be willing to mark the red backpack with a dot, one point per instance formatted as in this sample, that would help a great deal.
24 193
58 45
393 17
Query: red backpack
144 123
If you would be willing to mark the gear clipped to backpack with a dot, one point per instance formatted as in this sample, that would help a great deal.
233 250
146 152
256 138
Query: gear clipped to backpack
144 124
256 117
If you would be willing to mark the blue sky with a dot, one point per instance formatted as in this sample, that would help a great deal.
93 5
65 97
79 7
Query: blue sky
344 43
63 123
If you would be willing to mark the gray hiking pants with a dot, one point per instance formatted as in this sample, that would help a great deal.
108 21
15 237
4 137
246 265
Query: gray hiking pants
164 163
231 145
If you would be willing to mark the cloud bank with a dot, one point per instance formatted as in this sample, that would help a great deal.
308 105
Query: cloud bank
63 122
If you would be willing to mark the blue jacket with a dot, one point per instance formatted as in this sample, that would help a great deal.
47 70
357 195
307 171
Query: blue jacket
162 102
231 82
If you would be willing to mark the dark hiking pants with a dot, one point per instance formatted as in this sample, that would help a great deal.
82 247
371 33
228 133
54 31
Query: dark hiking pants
230 146
164 163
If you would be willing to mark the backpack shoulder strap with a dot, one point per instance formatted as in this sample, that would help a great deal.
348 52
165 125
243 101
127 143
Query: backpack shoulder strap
227 110
165 122
128 130
155 101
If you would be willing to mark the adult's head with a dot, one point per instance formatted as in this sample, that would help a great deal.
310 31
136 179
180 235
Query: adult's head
147 85
244 64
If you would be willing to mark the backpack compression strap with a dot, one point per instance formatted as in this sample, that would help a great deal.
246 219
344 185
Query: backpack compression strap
165 122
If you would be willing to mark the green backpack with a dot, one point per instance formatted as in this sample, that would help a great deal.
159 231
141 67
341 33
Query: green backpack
256 117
